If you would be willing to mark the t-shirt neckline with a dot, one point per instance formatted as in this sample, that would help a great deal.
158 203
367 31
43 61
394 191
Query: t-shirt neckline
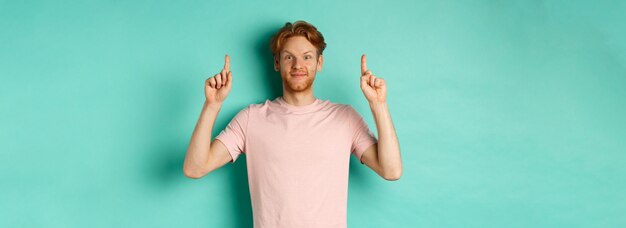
285 107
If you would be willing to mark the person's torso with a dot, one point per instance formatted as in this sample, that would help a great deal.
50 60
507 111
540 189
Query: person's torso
298 165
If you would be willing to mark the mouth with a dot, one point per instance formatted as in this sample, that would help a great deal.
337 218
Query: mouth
299 74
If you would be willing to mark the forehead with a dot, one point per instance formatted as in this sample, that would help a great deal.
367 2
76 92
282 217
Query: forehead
298 45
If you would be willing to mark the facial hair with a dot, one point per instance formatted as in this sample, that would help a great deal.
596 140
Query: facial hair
300 84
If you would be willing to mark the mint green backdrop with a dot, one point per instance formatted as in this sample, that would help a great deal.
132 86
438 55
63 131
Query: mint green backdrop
509 113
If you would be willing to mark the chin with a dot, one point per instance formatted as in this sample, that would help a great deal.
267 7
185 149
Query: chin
300 87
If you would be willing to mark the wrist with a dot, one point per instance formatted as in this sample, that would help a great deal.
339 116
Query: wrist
378 108
377 104
212 105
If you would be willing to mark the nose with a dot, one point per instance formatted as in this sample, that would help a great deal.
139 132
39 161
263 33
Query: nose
297 63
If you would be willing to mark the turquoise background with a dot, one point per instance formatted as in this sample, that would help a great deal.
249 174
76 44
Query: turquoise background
509 113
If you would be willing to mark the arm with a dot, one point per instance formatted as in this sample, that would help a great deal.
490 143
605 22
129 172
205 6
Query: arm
384 157
204 156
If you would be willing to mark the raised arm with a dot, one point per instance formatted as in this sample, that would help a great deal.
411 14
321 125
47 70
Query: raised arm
384 158
205 155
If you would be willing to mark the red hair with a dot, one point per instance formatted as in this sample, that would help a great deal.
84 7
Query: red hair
298 28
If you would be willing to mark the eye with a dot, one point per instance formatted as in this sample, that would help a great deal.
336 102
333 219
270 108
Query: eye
288 57
307 57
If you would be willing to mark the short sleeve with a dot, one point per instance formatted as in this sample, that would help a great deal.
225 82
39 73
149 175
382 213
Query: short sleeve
362 136
234 135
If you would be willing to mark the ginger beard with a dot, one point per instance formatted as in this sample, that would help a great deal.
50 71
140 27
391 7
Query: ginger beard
298 83
298 63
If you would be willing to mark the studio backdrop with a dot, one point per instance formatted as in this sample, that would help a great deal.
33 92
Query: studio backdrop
508 113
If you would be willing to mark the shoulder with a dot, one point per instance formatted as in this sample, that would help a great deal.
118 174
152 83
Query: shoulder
253 108
345 110
341 106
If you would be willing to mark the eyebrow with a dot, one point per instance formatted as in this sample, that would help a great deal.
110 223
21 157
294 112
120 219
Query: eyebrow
302 53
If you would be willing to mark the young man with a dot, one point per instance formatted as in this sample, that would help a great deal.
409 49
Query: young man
297 146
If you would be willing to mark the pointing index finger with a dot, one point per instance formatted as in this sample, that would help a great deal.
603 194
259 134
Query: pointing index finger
363 64
227 63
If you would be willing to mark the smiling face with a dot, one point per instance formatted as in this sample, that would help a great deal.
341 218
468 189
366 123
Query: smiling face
298 62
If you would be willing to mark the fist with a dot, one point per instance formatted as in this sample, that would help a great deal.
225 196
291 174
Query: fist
216 88
374 88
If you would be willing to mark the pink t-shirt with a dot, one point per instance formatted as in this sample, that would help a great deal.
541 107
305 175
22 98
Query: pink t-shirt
298 160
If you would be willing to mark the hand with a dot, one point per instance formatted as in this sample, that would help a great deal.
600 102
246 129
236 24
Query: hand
216 88
374 89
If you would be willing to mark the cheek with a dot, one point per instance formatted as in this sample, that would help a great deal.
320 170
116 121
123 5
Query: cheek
313 66
284 70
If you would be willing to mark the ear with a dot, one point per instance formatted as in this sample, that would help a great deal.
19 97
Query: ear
276 63
320 62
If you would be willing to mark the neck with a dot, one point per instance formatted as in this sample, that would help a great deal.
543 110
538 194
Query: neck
299 98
